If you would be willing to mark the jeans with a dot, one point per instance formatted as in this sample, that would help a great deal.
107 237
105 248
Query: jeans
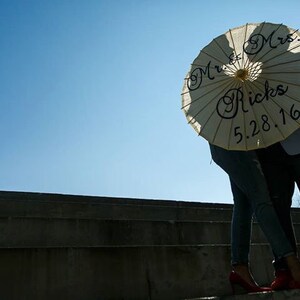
251 196
281 171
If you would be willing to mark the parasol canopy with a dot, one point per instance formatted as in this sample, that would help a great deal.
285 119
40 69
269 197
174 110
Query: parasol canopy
242 91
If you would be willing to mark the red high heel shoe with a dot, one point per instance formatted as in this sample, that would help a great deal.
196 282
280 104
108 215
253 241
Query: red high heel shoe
237 281
283 280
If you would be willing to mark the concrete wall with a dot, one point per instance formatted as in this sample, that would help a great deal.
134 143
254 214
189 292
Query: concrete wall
79 247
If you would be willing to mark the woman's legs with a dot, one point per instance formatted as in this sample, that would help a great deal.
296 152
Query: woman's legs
274 162
241 226
245 171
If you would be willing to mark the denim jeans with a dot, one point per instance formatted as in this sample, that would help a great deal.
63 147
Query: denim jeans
281 171
251 196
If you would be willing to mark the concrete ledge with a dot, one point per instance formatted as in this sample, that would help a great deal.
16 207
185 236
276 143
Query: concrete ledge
59 232
12 195
69 206
111 273
156 273
23 204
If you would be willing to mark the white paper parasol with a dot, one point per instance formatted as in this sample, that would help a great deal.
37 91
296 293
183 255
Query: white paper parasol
243 89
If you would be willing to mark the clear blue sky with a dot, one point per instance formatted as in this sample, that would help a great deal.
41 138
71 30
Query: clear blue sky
90 94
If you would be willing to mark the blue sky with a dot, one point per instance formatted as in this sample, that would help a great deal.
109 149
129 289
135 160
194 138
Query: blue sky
90 95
